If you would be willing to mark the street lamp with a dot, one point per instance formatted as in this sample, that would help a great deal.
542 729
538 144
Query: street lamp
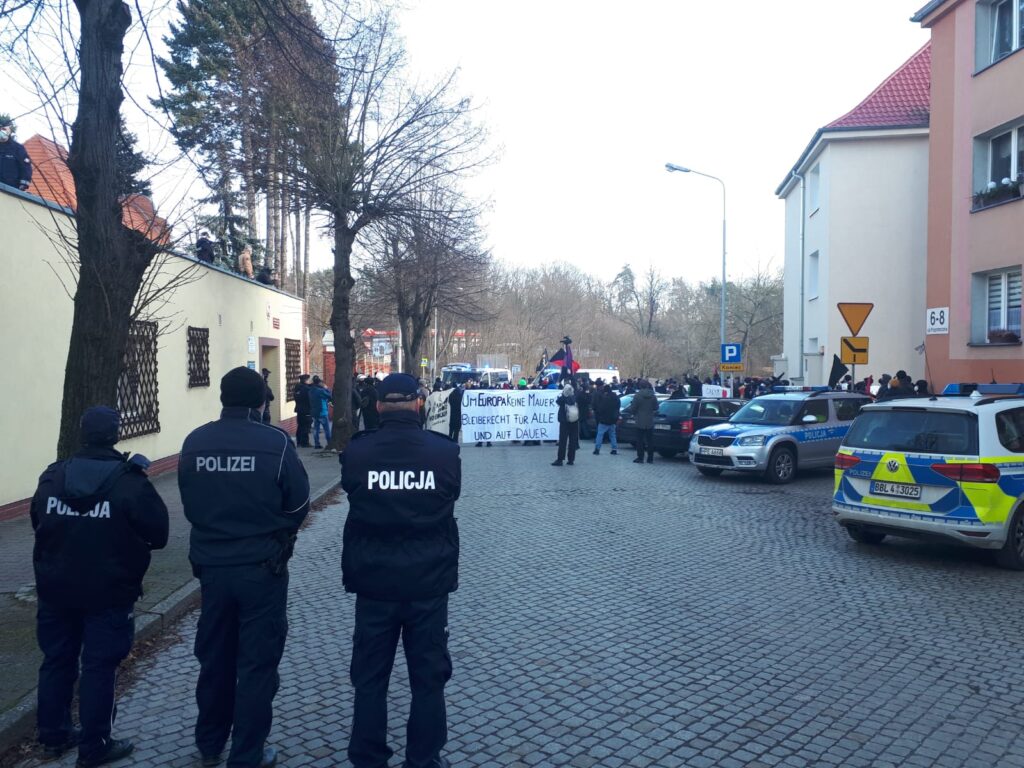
672 167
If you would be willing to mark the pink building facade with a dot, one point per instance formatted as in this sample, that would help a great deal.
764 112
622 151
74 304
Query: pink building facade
976 180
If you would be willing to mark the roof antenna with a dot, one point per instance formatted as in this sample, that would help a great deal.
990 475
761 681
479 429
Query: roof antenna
993 372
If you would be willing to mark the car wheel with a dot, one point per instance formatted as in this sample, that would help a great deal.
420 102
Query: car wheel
781 466
709 471
1012 554
668 454
864 535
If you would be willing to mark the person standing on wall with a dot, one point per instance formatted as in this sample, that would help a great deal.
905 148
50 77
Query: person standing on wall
246 493
96 519
400 557
15 164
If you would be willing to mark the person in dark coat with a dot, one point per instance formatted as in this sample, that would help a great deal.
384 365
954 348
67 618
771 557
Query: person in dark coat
15 164
269 397
96 518
568 431
368 404
204 248
303 415
245 493
643 406
583 400
400 557
455 412
606 413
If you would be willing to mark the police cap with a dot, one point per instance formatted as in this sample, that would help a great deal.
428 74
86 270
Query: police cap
398 388
100 426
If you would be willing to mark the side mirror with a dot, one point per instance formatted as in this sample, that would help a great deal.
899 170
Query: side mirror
809 419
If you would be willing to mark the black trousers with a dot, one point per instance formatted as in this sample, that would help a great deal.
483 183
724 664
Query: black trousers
454 426
568 440
100 641
305 421
239 643
645 442
423 627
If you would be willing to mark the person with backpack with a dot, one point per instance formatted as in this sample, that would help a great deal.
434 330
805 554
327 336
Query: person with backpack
568 427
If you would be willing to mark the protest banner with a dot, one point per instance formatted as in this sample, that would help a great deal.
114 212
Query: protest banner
438 412
713 390
515 414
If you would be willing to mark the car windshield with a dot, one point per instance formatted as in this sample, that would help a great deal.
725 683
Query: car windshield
458 377
765 410
915 430
676 409
624 401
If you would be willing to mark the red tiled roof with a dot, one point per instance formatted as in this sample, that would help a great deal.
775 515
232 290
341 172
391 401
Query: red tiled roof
51 177
52 180
902 101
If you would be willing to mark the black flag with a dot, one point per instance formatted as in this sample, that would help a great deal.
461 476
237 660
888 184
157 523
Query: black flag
838 371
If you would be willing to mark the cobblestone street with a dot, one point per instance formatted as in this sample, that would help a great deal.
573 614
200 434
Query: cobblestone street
613 614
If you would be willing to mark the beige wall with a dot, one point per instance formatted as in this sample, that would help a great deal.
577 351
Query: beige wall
967 103
36 313
869 231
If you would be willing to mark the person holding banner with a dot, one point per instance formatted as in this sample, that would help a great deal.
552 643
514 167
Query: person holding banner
568 427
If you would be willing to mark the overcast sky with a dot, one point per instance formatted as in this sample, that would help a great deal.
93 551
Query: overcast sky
588 100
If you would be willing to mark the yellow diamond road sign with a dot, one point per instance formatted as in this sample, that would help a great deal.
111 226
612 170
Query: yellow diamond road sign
855 315
854 350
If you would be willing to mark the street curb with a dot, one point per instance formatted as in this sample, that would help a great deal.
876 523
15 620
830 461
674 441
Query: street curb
18 723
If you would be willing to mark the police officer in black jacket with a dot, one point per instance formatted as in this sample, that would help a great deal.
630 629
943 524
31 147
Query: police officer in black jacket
245 492
96 517
401 558
304 416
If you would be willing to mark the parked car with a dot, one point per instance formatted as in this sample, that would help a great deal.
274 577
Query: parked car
948 468
677 420
779 434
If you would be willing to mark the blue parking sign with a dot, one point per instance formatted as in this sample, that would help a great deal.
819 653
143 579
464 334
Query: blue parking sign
732 353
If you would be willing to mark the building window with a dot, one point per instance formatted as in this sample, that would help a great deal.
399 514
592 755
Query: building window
814 187
292 365
999 166
812 276
1000 30
137 391
198 357
1006 17
999 295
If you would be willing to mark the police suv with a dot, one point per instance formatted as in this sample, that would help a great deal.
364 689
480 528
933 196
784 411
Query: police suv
776 435
949 467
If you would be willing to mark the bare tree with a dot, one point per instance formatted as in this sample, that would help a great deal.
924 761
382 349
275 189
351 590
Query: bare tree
371 148
430 260
639 302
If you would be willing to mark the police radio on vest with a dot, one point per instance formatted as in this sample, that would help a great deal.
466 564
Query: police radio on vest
408 480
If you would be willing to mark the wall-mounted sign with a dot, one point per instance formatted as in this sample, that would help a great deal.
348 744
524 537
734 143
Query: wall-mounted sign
937 320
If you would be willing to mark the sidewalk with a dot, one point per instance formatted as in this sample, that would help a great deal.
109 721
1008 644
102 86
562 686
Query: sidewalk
169 591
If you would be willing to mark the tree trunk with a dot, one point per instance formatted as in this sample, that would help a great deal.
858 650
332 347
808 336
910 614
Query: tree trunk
341 324
282 205
248 163
297 261
110 270
305 252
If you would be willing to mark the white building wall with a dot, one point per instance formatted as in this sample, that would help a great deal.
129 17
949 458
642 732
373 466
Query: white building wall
36 315
878 247
869 230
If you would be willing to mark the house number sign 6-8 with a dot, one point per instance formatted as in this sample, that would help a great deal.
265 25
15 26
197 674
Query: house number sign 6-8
937 320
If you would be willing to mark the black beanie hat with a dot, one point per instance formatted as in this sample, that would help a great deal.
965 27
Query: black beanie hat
242 387
100 427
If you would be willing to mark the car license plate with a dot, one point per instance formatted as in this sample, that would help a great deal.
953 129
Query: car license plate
899 490
662 426
705 451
